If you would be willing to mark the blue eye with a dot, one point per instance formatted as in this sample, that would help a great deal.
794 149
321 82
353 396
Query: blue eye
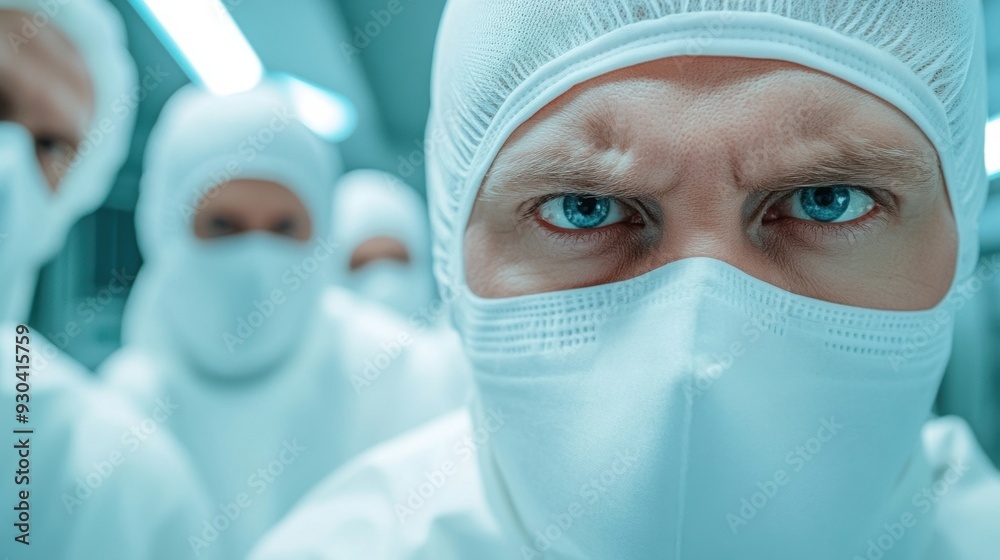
831 204
577 211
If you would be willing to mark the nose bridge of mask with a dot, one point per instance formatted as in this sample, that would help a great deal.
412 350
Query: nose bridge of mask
573 317
383 278
584 320
381 268
237 305
253 262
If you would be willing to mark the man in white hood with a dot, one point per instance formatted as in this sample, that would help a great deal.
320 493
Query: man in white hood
86 475
381 225
276 384
709 255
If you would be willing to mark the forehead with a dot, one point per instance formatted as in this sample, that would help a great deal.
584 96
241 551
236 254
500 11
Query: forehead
747 112
250 194
55 63
378 248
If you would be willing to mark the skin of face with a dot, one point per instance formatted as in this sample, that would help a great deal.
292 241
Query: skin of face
45 87
245 205
379 248
706 157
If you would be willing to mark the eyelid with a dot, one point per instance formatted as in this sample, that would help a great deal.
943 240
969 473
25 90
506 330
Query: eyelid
612 237
57 142
529 208
222 222
881 196
884 200
823 233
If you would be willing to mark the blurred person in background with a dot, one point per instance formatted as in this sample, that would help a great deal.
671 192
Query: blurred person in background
95 477
274 386
381 225
709 256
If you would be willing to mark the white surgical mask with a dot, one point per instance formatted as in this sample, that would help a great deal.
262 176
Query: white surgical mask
697 412
399 286
26 208
25 200
237 306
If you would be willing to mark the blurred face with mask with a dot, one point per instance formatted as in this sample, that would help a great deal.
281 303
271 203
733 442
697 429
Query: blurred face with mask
252 205
48 92
47 104
224 317
380 225
707 257
62 68
250 236
227 317
227 223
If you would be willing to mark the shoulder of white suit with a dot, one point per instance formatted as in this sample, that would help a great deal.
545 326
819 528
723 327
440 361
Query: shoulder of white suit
134 373
967 488
86 423
386 502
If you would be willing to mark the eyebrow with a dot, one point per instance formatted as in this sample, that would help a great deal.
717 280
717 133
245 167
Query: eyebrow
855 161
551 169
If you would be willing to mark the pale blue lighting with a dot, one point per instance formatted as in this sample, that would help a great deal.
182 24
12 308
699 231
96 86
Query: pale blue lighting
330 115
993 147
206 42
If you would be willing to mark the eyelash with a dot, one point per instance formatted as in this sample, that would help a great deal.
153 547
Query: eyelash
818 232
54 142
826 232
573 237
